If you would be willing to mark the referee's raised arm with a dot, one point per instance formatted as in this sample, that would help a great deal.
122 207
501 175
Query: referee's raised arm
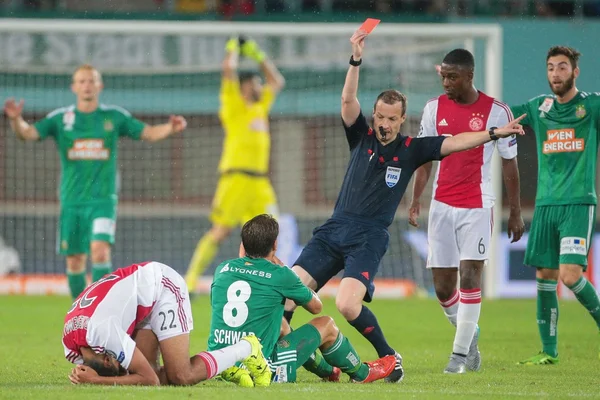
350 104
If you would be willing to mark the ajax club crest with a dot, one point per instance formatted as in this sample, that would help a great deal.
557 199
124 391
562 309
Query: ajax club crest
476 122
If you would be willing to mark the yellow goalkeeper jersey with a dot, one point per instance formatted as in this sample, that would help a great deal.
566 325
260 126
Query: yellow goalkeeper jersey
247 141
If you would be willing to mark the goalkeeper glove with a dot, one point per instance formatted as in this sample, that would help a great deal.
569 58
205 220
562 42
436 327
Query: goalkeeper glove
233 45
250 49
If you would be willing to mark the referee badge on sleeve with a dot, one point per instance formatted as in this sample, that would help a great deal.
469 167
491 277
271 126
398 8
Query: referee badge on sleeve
392 176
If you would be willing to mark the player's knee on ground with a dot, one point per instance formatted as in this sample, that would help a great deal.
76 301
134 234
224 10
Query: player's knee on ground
219 233
547 274
327 328
76 263
570 274
182 378
100 251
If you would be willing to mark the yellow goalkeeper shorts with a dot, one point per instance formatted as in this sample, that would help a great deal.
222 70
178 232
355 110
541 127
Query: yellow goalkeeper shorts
240 197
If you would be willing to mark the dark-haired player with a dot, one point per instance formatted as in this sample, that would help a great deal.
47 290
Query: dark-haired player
247 297
566 125
356 237
244 189
460 215
117 329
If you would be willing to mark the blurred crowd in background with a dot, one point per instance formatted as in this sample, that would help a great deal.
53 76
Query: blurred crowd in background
235 8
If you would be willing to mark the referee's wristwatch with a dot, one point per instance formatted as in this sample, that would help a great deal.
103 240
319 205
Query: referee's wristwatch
493 133
353 62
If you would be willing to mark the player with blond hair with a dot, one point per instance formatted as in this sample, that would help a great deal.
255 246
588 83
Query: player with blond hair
87 135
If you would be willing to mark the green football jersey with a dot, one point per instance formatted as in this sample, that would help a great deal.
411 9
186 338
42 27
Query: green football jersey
567 147
87 144
247 296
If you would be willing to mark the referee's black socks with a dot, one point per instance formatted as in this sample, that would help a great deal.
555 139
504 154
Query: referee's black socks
366 323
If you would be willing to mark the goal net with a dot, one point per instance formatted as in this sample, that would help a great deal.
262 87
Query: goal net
154 69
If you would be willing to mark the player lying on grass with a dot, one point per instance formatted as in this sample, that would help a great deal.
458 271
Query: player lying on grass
148 302
382 162
247 297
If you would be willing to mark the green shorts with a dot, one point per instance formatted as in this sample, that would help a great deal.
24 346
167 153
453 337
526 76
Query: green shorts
560 235
81 224
292 351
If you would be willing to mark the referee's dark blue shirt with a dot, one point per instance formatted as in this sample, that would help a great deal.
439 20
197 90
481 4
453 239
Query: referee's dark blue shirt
377 175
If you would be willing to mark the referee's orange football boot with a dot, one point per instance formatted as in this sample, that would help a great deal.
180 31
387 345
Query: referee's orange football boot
379 369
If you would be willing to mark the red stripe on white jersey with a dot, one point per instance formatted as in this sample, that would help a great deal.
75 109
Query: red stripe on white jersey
180 300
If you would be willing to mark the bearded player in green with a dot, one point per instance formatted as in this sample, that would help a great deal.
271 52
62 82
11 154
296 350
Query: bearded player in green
248 295
566 126
87 136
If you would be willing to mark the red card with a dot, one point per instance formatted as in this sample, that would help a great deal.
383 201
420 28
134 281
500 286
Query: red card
369 24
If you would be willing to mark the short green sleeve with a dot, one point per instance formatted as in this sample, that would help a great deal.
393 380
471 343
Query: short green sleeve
47 127
293 288
131 127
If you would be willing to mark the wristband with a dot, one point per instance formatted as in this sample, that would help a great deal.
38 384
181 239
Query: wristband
355 63
493 134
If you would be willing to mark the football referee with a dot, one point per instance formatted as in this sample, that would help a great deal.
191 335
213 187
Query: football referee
382 161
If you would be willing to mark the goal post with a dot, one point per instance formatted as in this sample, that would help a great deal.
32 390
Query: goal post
156 68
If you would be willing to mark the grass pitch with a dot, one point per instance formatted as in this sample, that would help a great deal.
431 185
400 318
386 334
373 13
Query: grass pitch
33 365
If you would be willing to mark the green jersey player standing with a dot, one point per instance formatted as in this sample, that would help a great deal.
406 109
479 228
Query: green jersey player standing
87 135
247 297
566 125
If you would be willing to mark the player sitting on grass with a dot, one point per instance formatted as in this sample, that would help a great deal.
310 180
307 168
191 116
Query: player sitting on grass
247 297
148 302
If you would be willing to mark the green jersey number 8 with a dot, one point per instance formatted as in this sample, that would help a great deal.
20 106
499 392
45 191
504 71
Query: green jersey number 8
235 312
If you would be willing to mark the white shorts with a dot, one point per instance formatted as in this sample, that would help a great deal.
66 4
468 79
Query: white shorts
172 313
456 234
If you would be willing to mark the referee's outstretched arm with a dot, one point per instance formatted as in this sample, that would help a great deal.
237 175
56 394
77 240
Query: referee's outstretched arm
469 140
350 104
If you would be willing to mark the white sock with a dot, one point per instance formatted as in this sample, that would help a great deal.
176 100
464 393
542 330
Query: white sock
450 307
218 361
467 319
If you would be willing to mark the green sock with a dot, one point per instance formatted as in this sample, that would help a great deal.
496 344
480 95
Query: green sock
342 355
547 315
100 269
77 283
587 296
317 365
